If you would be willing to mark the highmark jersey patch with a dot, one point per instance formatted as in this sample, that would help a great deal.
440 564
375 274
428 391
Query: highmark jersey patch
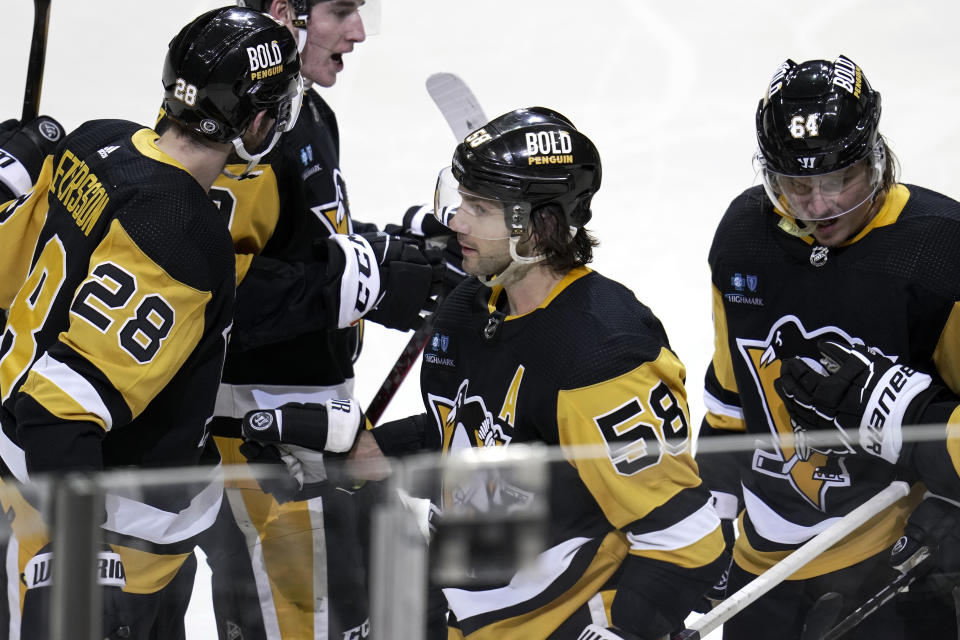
437 351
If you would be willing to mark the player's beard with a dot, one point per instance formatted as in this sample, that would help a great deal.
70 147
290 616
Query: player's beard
486 265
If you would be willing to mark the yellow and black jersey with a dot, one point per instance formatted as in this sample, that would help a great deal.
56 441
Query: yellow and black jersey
283 347
286 347
894 286
589 370
120 301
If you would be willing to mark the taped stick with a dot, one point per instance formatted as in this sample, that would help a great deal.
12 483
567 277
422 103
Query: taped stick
799 558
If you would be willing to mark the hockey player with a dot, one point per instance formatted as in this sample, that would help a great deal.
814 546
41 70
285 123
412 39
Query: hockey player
830 250
120 280
297 332
23 148
539 348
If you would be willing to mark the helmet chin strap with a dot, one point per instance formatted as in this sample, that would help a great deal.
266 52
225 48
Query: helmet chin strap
252 159
519 267
301 39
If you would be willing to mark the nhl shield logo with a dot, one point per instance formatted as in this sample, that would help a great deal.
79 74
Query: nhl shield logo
737 281
440 342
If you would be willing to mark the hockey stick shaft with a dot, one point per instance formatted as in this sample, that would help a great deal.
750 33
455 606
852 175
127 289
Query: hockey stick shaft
400 369
38 55
799 558
463 114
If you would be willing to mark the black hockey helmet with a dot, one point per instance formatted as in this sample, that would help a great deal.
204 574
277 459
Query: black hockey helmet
225 67
817 117
821 155
526 159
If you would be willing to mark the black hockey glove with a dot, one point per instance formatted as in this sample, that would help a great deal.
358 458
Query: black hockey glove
23 150
388 280
933 527
864 396
296 436
420 225
278 471
418 222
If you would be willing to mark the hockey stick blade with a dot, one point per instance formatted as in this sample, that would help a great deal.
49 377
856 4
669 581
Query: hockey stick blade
38 55
457 103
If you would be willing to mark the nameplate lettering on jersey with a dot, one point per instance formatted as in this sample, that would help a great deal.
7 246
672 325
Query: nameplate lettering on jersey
79 190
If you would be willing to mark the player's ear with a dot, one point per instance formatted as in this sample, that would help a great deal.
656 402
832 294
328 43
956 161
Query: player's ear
282 11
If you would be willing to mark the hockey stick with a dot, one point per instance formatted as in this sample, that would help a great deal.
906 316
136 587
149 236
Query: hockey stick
38 55
919 565
457 103
463 114
796 560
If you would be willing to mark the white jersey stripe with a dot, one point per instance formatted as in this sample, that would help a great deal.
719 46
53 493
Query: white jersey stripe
130 517
718 408
679 535
525 585
774 527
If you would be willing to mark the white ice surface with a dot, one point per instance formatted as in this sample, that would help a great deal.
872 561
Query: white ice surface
667 91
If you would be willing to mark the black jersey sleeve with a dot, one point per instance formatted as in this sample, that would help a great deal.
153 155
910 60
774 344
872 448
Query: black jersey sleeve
279 299
403 436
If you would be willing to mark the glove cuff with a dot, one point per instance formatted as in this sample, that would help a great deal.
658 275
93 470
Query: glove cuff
360 285
13 174
884 415
414 217
343 422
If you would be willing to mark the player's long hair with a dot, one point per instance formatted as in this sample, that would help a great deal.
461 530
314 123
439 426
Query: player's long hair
552 237
891 169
